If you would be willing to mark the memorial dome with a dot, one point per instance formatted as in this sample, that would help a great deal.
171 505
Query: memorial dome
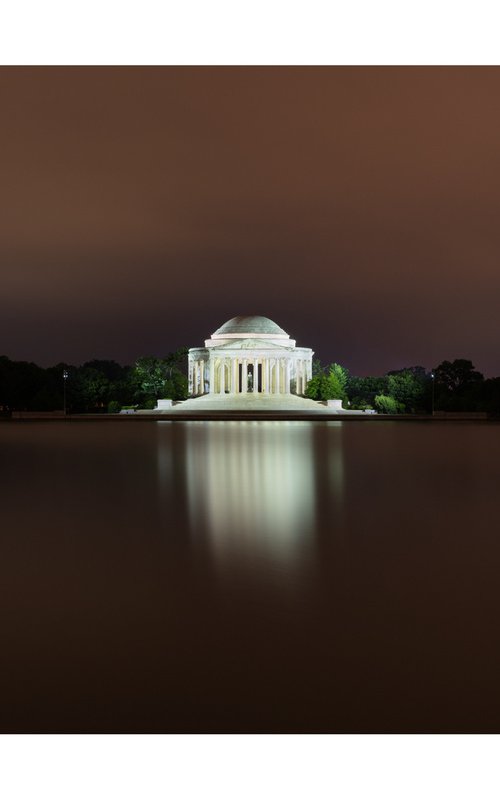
252 326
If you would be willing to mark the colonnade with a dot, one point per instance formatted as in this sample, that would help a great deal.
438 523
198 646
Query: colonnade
259 374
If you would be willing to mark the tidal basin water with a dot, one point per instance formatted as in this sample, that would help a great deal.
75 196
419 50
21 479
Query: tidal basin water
249 577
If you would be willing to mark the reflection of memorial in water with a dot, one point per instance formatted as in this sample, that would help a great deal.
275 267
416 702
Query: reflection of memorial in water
251 488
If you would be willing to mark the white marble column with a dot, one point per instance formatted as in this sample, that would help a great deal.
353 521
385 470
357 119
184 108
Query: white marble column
234 376
221 376
212 375
202 377
287 376
255 386
190 377
244 387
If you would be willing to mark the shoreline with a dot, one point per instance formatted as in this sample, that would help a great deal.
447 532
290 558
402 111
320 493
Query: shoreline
227 416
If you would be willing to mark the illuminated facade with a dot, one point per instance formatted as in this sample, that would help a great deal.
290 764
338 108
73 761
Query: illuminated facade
249 355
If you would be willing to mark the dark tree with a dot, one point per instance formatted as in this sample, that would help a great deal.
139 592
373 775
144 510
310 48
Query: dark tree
455 376
458 386
362 391
20 383
408 388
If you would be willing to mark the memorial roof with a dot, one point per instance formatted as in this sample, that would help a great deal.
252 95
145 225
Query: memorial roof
250 325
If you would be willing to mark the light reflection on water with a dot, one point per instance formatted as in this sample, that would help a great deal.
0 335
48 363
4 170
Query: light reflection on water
250 488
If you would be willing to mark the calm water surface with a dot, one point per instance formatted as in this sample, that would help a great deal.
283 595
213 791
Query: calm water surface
249 577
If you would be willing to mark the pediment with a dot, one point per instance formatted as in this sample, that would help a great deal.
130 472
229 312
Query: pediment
250 344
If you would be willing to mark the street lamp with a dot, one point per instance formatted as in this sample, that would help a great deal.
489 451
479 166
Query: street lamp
65 378
433 377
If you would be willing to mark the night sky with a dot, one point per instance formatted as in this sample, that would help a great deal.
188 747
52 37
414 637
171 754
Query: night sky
359 208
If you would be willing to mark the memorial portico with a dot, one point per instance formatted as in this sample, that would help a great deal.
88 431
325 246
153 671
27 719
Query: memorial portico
249 355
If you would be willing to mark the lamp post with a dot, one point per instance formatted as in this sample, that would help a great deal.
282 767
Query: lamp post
65 378
433 377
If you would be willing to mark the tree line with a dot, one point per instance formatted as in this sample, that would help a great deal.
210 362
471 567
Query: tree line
101 386
98 386
452 386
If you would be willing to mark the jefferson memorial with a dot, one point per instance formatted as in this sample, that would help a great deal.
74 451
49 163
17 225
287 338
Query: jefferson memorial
249 354
249 364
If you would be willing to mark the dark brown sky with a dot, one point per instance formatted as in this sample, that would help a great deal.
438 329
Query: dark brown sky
358 207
